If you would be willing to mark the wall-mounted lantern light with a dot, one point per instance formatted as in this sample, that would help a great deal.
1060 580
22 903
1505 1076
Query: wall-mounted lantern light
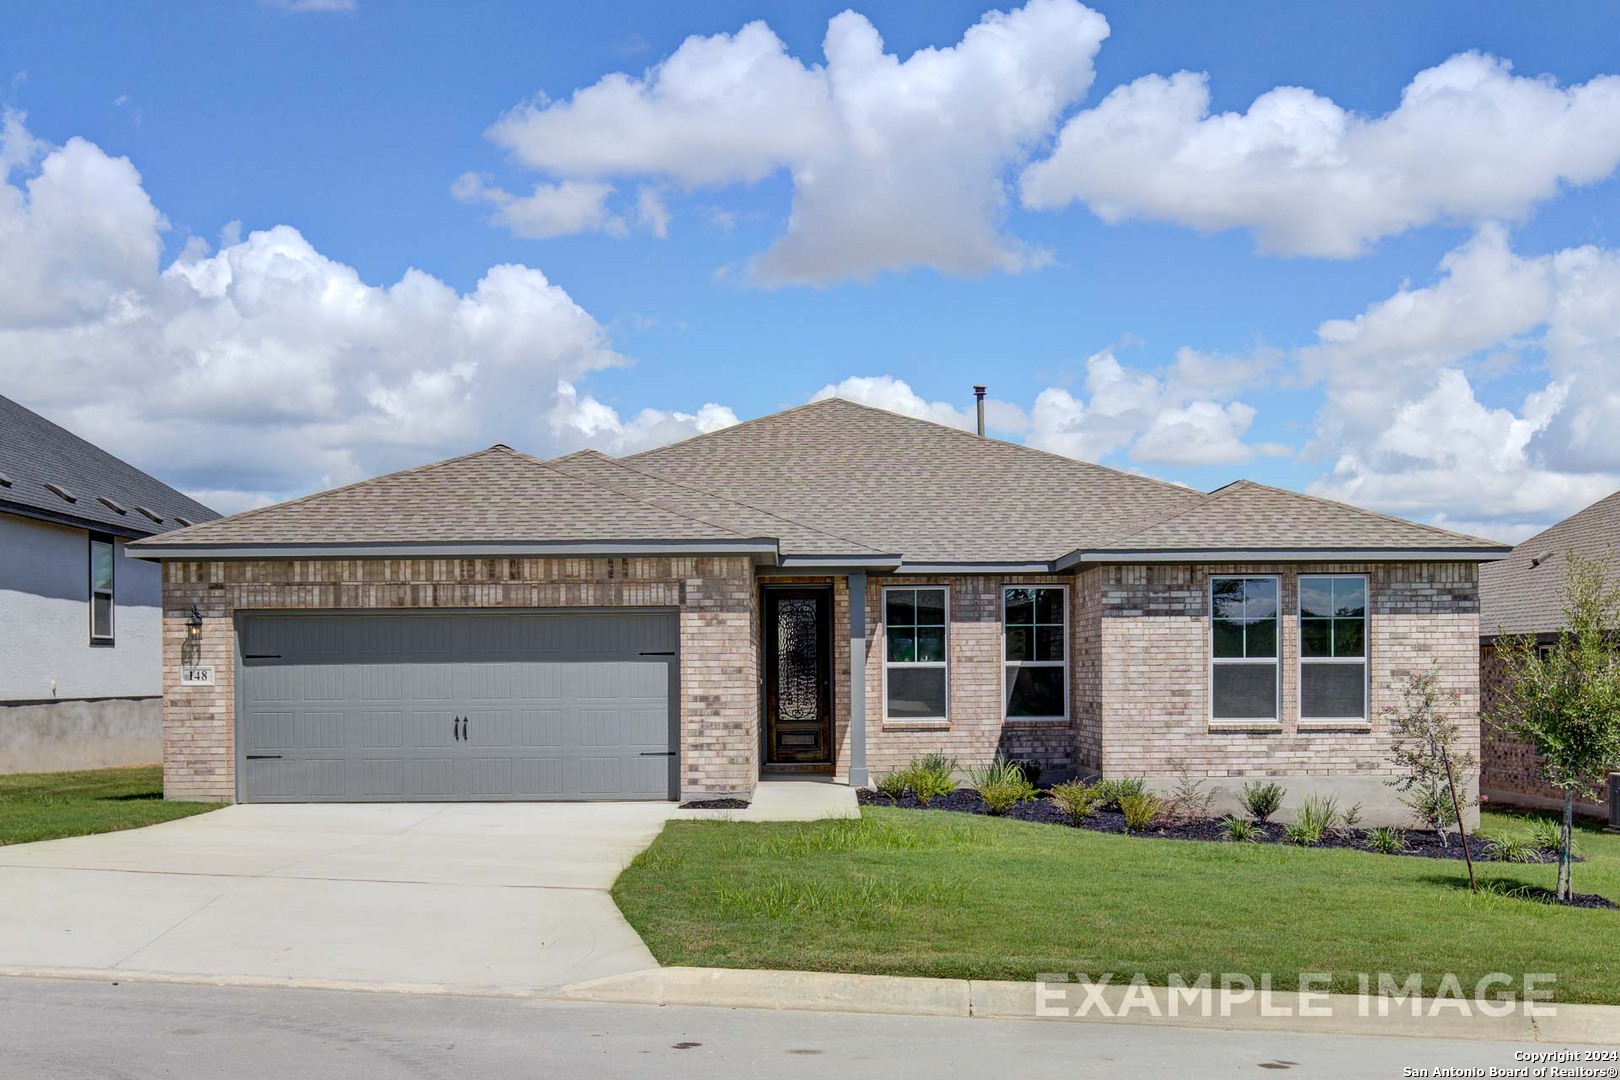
194 624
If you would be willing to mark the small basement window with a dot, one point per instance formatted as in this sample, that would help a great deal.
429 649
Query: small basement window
916 671
101 589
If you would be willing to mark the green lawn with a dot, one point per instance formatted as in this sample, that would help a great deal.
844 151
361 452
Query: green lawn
44 806
952 895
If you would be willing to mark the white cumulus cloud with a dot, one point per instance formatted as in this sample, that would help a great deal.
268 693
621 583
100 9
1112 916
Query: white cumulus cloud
1469 141
895 163
584 421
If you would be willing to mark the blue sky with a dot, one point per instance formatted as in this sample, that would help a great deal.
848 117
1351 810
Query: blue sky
1067 258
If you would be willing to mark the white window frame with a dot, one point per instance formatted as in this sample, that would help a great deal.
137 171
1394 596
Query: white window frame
111 593
1209 650
1365 659
887 663
1006 664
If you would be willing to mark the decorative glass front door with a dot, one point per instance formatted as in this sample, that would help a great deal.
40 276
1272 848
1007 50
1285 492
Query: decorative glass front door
798 677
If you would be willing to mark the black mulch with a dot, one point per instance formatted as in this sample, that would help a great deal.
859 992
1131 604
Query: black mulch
1420 843
716 804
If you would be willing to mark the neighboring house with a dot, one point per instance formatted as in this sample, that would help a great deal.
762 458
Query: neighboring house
832 589
80 622
1523 594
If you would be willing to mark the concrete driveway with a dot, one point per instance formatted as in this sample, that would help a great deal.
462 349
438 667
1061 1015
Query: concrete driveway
506 896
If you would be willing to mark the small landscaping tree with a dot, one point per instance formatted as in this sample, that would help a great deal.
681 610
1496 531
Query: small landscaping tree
1424 747
1564 699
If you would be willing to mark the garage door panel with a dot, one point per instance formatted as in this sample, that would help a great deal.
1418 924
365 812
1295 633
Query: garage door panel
556 706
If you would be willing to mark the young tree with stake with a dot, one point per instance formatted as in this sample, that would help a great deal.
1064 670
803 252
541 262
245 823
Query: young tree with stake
1425 748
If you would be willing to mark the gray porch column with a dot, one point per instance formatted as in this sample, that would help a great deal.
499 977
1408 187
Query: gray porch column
857 680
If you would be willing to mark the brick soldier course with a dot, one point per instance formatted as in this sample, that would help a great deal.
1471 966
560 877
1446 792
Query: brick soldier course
854 499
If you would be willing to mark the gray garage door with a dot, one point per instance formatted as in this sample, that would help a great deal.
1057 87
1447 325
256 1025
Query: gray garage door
347 707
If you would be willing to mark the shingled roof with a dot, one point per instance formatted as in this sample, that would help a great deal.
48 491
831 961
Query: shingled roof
829 482
1522 594
49 473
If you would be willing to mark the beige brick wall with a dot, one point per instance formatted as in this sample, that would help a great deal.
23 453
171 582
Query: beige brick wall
715 597
976 731
1156 684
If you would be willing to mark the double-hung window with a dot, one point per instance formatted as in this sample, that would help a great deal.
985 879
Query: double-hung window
1034 629
915 671
1243 636
1333 647
101 589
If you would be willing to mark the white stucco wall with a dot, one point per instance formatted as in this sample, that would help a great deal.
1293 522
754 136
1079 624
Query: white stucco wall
45 649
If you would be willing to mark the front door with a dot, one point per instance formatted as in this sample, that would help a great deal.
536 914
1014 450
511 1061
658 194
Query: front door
798 676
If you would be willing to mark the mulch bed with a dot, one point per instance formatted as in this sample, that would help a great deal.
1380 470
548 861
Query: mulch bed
716 804
1419 843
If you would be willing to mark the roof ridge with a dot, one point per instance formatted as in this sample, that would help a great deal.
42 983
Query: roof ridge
1205 498
745 505
964 433
314 495
623 494
1560 524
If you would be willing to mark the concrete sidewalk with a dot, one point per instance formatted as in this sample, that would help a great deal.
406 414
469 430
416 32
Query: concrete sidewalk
460 896
807 798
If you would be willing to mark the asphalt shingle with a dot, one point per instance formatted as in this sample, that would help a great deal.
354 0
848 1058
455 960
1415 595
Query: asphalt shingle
1522 594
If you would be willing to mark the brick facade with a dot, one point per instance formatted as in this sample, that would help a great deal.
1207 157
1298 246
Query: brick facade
715 597
1508 770
1138 646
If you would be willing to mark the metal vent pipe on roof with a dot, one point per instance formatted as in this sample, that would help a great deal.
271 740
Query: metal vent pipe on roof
978 393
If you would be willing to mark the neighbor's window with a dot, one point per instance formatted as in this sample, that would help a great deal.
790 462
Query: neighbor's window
1034 628
101 589
1243 614
1332 647
915 669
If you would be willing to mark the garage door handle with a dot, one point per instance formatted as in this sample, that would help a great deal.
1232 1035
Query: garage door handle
658 753
669 653
264 757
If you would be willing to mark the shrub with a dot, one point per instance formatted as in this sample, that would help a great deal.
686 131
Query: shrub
1110 793
1262 798
1386 840
1511 849
1002 785
1352 817
1317 816
1432 808
1077 798
931 777
893 785
1241 829
1547 834
1031 771
1141 810
1189 801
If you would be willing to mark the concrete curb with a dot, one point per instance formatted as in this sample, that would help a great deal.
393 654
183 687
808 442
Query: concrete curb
1336 1014
264 982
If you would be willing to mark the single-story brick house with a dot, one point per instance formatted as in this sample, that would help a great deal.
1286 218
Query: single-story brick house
831 589
1519 595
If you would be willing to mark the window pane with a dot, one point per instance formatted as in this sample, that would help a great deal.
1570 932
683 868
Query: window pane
1049 605
1262 638
1260 596
1049 643
930 607
1315 637
1349 596
930 644
1227 594
1315 597
1034 691
917 693
1228 638
101 608
1333 691
1020 606
898 608
101 566
1245 692
1349 637
1020 643
902 645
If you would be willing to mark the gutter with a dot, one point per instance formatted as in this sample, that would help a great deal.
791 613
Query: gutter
1225 555
764 551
